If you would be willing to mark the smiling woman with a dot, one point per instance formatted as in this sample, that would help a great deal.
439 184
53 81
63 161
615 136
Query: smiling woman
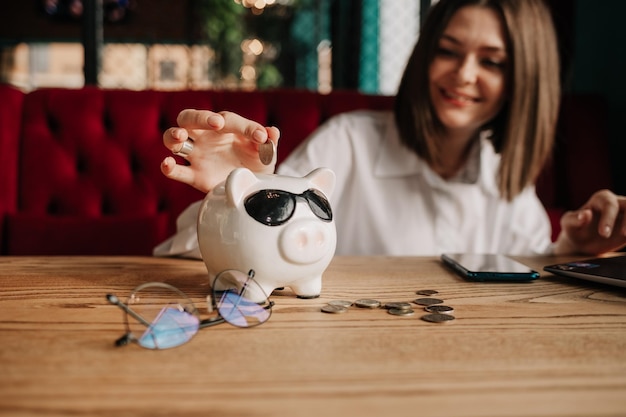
467 81
453 168
518 102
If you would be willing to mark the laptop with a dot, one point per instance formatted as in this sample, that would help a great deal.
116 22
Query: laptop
610 270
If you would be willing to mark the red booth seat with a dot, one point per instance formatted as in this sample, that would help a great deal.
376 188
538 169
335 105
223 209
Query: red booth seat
79 169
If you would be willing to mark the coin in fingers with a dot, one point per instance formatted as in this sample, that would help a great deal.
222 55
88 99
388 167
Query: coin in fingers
267 151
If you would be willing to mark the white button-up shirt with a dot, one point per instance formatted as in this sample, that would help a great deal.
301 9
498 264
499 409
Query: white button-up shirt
388 201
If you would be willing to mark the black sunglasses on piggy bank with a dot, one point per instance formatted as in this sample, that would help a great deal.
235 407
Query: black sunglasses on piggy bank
160 316
276 207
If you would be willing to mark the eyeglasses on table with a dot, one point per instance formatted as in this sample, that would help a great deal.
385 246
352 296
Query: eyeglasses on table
160 316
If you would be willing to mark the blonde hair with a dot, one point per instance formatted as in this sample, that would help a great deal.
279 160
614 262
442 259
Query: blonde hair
523 130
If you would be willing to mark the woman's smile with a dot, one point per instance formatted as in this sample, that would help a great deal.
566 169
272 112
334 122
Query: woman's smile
457 98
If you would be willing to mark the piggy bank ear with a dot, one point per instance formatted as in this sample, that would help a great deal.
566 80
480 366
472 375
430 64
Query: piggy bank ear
323 179
237 184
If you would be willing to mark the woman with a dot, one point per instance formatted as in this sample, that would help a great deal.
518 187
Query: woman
453 168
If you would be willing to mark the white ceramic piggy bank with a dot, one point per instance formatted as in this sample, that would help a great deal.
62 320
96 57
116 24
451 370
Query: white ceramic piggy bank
282 227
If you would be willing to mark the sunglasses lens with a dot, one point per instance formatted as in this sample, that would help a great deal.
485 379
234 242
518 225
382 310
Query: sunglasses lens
240 300
270 207
165 317
319 205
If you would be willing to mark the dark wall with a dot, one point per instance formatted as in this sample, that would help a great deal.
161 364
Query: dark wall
148 21
600 67
590 31
563 15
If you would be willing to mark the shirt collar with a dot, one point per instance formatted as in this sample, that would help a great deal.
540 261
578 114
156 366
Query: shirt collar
396 160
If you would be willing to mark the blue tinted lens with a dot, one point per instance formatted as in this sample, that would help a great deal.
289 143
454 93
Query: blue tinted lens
172 327
239 311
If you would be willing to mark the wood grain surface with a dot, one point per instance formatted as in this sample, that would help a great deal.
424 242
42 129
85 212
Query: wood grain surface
553 347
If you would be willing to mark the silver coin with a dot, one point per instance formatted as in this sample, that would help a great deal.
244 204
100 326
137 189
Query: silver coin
439 308
342 303
266 152
427 301
401 311
437 318
334 309
426 292
398 304
185 149
367 303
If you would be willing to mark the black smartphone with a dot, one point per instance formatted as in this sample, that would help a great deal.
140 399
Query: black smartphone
488 267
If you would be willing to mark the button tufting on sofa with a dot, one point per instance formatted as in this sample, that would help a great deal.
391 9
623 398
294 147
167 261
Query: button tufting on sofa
79 169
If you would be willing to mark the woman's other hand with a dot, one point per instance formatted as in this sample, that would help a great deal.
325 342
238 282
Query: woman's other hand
598 226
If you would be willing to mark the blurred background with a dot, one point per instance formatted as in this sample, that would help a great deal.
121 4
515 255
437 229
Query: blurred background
317 45
198 44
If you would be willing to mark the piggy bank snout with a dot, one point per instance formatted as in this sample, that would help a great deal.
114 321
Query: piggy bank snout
306 241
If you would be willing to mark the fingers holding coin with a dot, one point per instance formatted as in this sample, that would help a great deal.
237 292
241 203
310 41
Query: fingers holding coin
185 150
267 152
175 139
268 149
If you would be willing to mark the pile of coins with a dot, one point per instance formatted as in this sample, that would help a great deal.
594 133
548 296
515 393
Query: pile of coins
437 311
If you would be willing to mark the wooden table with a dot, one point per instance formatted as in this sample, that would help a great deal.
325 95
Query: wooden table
553 347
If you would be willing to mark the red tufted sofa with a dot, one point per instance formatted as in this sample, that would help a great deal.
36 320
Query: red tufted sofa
79 169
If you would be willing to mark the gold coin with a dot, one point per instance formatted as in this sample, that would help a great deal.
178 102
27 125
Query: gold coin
427 301
266 152
398 304
439 308
334 309
342 303
367 303
401 311
438 318
426 292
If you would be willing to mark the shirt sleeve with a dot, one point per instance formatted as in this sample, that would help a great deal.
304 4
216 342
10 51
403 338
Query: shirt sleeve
184 243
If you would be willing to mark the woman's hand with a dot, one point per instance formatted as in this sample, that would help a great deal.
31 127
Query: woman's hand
598 226
221 142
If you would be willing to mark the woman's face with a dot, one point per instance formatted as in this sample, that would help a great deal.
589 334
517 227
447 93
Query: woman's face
467 77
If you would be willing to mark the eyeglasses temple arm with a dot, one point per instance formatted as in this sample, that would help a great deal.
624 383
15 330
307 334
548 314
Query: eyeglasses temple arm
245 286
116 301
